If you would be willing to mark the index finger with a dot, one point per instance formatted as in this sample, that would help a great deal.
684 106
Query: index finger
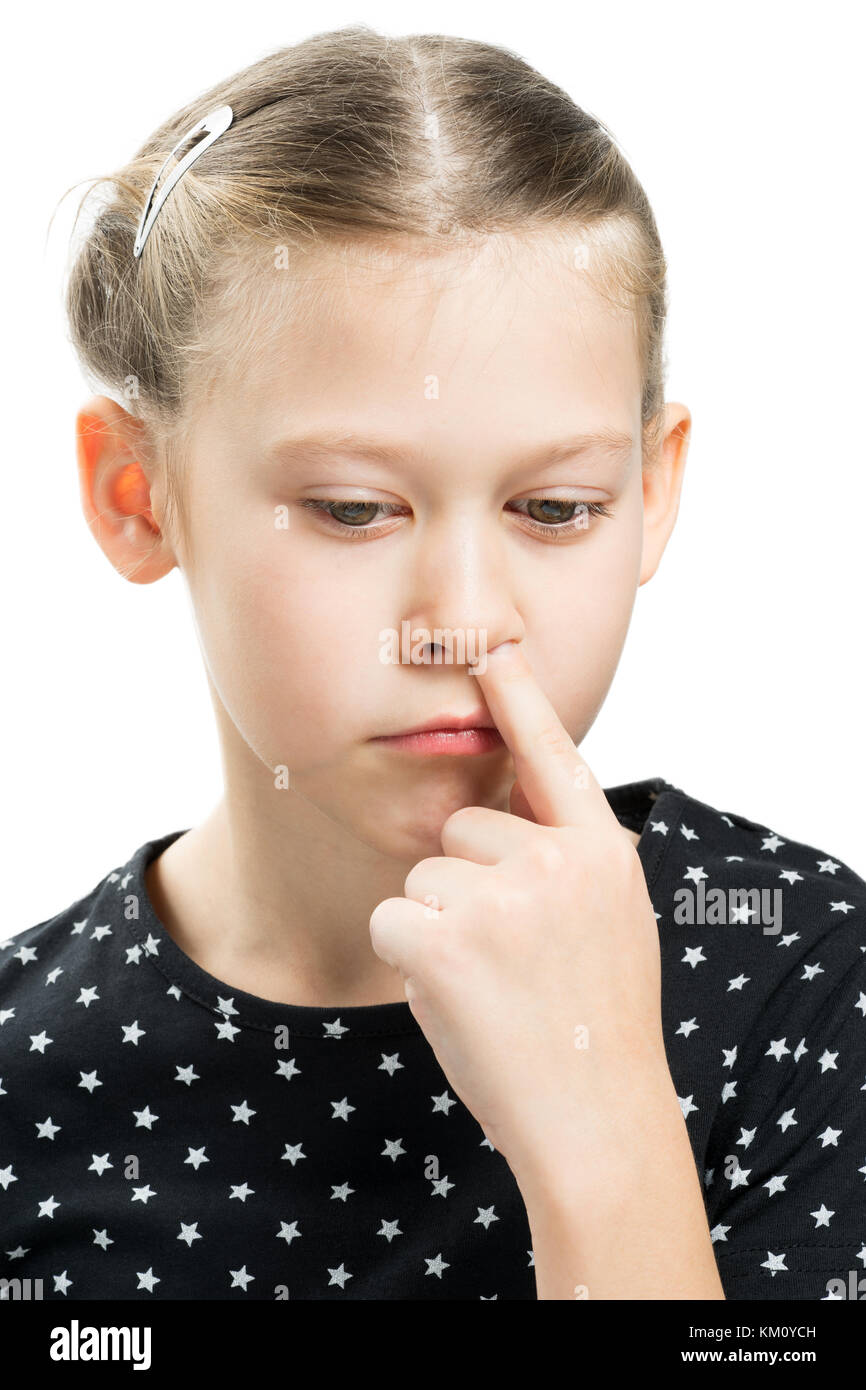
556 780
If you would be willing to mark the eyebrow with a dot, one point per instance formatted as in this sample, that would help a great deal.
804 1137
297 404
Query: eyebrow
611 444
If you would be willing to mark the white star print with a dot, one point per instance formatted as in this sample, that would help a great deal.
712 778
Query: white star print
390 1064
810 971
822 1216
805 988
288 1069
441 1187
389 1229
145 1118
693 956
442 1103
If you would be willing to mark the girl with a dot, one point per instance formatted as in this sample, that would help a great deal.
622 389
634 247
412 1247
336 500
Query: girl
419 1010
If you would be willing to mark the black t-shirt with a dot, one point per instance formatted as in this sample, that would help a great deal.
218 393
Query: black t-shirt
165 1135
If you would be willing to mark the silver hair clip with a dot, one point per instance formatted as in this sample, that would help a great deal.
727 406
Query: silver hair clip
215 124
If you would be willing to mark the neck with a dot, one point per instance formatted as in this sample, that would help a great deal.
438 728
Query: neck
279 907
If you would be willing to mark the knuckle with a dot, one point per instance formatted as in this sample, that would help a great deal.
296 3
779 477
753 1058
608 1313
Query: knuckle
545 856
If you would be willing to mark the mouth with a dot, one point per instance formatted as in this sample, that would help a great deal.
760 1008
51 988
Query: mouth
447 735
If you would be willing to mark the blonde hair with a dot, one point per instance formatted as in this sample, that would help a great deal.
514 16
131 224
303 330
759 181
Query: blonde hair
427 143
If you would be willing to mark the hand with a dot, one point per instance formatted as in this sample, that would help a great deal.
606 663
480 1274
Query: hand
530 949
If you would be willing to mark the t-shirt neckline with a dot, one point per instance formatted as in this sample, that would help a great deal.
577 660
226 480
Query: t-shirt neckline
635 804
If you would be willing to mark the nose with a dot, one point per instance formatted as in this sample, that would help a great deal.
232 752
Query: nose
461 590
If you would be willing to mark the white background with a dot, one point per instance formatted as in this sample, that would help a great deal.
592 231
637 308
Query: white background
742 676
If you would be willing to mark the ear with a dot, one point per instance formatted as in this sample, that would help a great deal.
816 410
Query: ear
116 491
662 484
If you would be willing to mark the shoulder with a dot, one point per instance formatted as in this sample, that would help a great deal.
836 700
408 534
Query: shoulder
55 952
766 892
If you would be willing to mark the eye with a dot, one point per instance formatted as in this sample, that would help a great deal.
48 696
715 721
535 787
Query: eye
352 517
559 517
552 517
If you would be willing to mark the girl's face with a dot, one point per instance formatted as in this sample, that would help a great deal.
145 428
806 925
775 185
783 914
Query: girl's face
460 388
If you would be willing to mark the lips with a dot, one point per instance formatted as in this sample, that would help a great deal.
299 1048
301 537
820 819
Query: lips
480 719
446 735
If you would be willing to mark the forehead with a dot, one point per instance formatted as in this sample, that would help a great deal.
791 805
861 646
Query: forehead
513 329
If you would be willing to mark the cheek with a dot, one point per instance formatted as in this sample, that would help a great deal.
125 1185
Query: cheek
579 625
292 649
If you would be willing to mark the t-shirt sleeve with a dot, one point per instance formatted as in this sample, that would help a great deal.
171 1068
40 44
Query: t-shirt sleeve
785 1183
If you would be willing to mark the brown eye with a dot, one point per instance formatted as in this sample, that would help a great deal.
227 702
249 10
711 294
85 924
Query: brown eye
353 513
551 509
